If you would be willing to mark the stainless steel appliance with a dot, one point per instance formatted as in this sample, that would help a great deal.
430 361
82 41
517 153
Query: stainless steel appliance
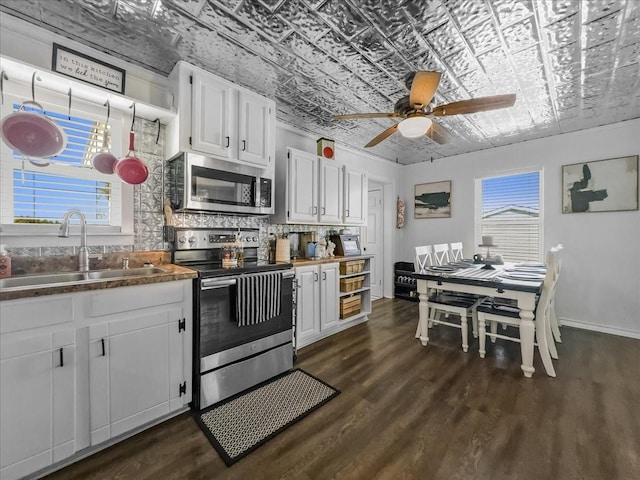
229 358
197 182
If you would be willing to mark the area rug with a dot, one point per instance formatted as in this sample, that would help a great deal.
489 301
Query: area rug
240 424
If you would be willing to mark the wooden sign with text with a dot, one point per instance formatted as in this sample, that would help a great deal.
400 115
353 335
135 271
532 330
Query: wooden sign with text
90 70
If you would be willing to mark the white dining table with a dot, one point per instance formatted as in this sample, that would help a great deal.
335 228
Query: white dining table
478 281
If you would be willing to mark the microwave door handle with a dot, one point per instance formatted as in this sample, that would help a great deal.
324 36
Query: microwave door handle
256 188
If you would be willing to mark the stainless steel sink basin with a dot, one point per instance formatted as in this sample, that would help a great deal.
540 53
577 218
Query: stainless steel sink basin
123 272
48 280
30 280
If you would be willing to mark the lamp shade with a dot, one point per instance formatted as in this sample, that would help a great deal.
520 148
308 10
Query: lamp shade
414 126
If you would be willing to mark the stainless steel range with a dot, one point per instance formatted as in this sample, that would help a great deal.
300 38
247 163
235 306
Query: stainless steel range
243 313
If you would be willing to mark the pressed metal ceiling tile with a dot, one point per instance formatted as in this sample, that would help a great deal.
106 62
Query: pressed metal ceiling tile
509 12
467 12
396 67
336 46
602 30
301 18
563 32
385 14
528 60
521 35
217 19
425 16
482 37
552 11
631 31
461 62
344 18
262 20
190 6
565 57
445 39
371 44
595 9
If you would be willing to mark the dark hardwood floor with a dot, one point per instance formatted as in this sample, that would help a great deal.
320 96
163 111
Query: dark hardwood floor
410 412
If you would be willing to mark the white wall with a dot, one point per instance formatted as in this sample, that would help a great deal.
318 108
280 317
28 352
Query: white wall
382 171
600 282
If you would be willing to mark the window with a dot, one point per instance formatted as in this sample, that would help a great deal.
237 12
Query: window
509 209
35 197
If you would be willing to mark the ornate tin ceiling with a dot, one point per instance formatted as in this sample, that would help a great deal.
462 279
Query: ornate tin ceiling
573 64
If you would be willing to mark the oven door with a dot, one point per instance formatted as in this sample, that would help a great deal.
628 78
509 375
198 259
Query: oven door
221 340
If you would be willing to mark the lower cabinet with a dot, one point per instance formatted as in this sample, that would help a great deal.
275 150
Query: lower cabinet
317 307
79 369
37 401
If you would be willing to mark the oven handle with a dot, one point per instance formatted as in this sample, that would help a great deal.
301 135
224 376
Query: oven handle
210 284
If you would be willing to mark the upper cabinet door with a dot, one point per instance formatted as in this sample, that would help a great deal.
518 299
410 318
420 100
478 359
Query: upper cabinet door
254 114
355 195
302 184
210 116
330 192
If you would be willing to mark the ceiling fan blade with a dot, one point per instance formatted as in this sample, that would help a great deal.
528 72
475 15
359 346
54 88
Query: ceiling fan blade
475 105
438 133
387 133
423 88
355 116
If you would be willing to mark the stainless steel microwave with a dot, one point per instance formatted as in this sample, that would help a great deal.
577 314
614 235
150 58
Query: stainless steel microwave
202 183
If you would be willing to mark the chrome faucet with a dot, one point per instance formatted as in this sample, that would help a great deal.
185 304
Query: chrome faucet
83 253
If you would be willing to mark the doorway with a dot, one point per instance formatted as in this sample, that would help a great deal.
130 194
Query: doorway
374 238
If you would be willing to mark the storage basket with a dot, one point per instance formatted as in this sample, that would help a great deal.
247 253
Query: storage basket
350 306
353 266
351 284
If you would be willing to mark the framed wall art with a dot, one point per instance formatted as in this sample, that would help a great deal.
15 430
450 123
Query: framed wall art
600 186
432 200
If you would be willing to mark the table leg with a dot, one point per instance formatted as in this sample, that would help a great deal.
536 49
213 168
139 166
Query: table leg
423 315
527 333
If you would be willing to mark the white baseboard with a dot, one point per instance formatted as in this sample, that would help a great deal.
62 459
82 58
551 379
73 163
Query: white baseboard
622 332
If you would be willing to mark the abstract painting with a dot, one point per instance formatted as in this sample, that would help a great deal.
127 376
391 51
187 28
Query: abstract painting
432 200
600 186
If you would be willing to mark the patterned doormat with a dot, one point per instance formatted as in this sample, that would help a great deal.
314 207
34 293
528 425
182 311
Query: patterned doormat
240 424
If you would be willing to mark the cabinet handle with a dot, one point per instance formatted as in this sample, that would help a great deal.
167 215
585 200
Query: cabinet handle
227 141
244 145
315 277
104 353
315 210
61 357
324 210
347 212
324 275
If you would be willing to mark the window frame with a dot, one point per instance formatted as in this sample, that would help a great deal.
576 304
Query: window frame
478 221
46 235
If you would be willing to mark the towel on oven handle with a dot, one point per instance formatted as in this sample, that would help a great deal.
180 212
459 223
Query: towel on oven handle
258 297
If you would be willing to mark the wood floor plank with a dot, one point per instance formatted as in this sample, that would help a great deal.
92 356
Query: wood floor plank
413 412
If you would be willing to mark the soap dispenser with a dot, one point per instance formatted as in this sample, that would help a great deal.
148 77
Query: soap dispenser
5 263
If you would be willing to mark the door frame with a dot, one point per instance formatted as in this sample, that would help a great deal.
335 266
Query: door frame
388 221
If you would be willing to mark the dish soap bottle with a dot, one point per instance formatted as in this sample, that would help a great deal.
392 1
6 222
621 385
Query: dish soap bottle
5 263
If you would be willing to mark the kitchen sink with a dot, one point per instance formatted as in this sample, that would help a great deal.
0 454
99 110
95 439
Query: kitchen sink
123 272
47 280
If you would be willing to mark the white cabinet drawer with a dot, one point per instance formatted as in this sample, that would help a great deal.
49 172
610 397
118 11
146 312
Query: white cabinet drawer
126 299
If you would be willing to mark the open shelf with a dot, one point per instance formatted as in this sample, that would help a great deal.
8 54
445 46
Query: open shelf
363 289
365 272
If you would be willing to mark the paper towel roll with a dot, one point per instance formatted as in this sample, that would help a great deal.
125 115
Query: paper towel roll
283 250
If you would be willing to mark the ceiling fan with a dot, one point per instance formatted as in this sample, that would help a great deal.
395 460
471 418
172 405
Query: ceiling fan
416 110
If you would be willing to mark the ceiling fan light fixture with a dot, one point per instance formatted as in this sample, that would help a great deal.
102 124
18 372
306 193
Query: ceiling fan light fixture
413 127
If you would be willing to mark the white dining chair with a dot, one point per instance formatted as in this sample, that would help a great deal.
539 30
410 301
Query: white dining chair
456 252
441 254
423 257
494 313
554 322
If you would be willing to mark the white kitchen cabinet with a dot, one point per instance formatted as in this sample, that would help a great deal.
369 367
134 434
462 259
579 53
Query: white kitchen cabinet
316 302
220 119
37 380
307 304
329 290
355 197
313 189
138 358
61 392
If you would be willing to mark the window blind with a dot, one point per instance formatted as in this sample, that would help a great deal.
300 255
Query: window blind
510 212
42 195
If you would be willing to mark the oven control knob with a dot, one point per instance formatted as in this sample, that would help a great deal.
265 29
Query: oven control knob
192 240
255 239
182 240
